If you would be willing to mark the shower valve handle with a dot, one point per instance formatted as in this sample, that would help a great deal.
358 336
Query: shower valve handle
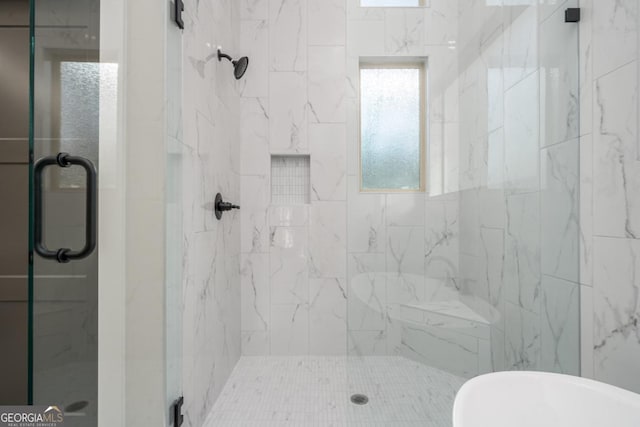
226 206
222 206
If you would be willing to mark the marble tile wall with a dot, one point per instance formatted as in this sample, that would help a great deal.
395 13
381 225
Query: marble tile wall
210 156
293 101
609 178
301 96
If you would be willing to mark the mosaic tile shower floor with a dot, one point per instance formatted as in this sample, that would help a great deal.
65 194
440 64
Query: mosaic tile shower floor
315 391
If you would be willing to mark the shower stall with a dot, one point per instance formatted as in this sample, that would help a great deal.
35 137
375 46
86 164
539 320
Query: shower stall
408 177
424 264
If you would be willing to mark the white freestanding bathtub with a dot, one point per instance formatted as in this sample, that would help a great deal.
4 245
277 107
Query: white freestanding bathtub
540 399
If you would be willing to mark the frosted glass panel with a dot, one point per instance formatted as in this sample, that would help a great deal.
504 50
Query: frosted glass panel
390 128
79 116
390 3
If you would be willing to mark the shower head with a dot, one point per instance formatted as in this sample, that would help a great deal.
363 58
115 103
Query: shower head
239 66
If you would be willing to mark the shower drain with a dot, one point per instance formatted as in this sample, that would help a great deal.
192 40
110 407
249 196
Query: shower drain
359 399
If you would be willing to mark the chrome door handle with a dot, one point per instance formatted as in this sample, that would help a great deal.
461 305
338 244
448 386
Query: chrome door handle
63 255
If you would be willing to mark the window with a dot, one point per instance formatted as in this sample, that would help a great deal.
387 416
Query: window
391 3
392 127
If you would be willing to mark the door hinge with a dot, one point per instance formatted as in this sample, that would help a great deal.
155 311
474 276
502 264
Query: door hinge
176 410
572 14
177 11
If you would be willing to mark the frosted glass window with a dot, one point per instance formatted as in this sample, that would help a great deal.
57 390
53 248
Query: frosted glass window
391 3
391 128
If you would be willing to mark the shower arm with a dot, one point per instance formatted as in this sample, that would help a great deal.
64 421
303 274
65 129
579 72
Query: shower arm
224 55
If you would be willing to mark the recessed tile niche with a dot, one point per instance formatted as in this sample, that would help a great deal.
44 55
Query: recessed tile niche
290 180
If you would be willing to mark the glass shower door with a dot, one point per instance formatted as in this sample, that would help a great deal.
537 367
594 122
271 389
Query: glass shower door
66 85
480 273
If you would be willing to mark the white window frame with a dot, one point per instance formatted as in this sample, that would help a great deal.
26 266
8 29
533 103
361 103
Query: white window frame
422 3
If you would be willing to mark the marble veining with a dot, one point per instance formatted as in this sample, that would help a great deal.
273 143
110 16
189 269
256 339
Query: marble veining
404 31
560 337
288 35
522 251
610 50
616 170
522 343
616 306
559 207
